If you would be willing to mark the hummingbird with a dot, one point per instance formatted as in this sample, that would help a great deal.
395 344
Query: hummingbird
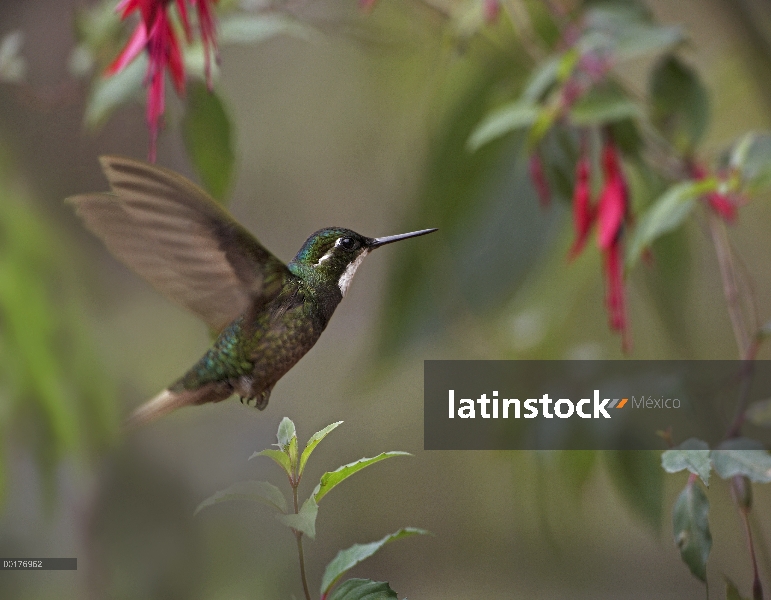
266 315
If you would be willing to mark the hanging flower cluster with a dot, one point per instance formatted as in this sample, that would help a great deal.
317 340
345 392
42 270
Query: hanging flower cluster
155 34
611 214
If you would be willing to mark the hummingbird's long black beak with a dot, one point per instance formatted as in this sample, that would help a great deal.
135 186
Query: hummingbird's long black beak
381 241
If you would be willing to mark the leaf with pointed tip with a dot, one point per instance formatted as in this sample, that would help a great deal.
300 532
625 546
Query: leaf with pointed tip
759 413
281 458
108 93
261 491
751 156
207 132
508 118
362 589
331 478
541 80
691 529
305 520
741 456
350 557
286 431
679 103
665 215
313 442
693 455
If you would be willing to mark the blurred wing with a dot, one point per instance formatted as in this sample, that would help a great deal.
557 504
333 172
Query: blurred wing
176 236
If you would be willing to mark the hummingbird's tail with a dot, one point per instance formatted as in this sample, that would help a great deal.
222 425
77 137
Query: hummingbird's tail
172 399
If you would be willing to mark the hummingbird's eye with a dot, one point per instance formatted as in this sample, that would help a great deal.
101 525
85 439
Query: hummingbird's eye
347 243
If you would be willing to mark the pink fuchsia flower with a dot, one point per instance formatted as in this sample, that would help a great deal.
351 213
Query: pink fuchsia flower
583 211
156 35
721 204
538 178
612 206
612 211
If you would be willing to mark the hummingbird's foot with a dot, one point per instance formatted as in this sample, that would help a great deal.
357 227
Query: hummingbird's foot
260 401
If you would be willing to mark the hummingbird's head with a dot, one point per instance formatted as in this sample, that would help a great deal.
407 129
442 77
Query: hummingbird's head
335 253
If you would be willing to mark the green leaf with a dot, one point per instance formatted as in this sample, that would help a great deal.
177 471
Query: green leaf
508 118
626 31
691 529
313 442
332 478
679 103
108 93
733 458
207 132
286 431
642 40
693 455
603 105
362 589
541 80
281 459
638 477
305 520
751 156
261 491
759 413
244 28
350 557
665 215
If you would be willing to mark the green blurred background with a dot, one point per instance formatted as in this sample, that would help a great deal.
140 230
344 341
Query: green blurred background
361 126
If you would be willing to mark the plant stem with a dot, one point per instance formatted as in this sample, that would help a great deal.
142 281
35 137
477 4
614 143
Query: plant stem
730 287
299 537
757 587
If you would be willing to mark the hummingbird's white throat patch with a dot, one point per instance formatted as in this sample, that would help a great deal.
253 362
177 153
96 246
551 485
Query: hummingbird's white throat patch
326 256
350 271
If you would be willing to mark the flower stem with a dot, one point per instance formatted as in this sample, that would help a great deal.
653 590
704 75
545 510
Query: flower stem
299 537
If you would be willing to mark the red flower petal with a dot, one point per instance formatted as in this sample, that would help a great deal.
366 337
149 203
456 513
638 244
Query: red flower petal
612 206
615 300
182 8
723 206
131 50
583 212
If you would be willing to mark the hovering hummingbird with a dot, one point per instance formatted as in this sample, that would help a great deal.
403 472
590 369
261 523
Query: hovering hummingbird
266 314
